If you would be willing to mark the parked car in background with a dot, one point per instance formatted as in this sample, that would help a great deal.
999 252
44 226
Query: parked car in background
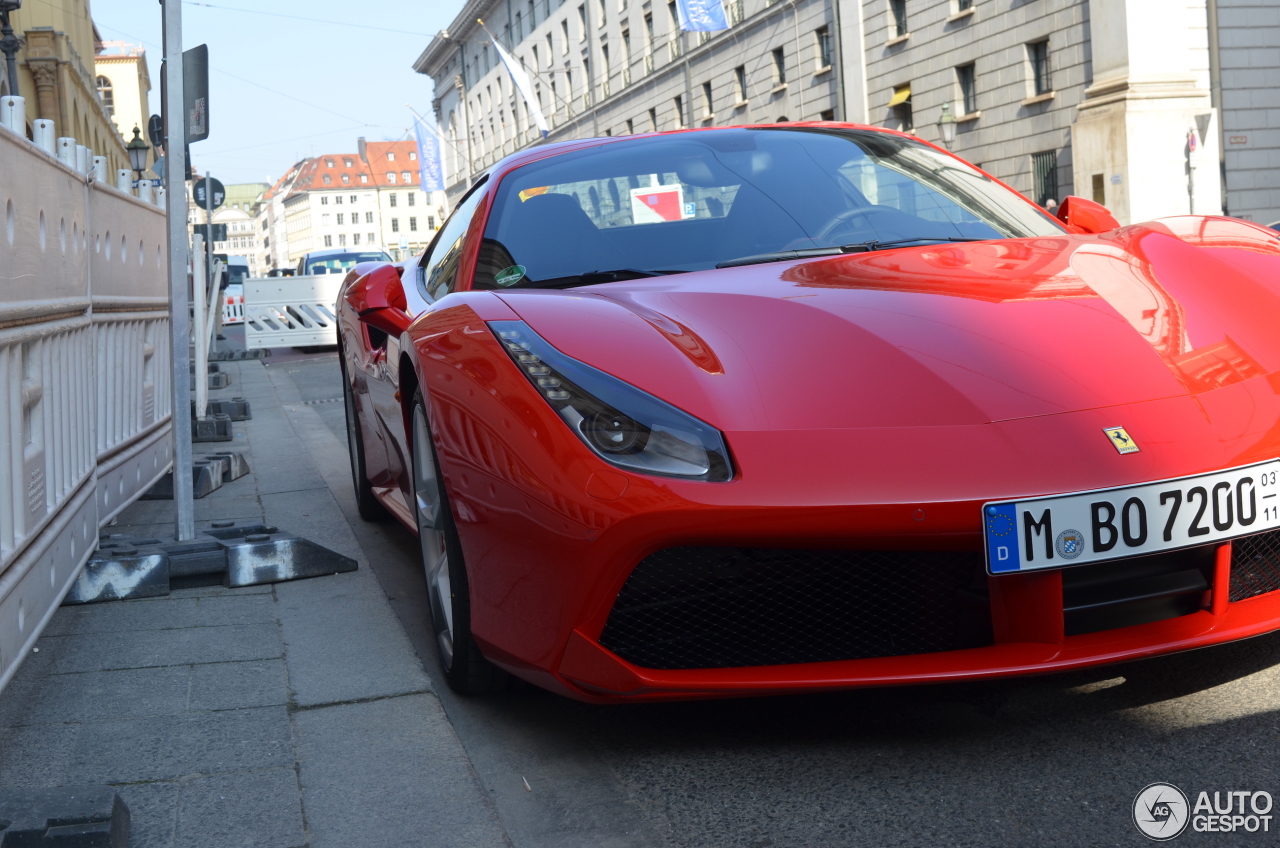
337 261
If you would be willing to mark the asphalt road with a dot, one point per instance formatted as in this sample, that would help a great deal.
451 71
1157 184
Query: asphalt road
1054 760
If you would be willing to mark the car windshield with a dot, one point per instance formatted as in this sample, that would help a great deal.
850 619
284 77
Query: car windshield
336 263
696 201
237 273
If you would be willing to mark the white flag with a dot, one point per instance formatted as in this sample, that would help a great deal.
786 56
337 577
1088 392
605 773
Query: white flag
521 80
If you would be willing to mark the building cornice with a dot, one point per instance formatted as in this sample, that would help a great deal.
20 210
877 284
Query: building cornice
442 47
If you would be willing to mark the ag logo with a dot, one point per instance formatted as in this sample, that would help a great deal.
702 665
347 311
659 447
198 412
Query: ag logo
1160 811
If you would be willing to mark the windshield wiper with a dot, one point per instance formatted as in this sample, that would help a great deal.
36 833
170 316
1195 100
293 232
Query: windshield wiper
862 246
589 278
782 256
815 252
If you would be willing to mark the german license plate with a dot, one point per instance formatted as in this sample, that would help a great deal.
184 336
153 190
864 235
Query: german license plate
1075 529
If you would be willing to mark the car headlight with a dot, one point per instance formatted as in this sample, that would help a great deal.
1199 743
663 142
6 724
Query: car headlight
620 423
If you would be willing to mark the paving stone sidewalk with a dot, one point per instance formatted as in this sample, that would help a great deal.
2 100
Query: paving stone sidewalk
296 714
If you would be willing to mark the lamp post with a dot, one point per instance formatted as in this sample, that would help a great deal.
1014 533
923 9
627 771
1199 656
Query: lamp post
947 126
138 150
9 42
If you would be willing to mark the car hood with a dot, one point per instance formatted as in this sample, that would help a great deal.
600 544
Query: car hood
938 335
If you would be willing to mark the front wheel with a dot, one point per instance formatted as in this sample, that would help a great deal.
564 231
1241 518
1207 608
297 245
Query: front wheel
367 505
464 667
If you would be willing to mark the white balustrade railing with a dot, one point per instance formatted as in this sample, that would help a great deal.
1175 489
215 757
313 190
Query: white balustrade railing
84 369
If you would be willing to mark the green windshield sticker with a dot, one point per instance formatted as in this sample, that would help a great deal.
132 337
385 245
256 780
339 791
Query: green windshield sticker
510 276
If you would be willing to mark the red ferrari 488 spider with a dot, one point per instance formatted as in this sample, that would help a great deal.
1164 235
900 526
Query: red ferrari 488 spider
810 406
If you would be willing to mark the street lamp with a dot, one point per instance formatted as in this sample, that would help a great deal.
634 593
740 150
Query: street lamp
947 126
138 150
9 43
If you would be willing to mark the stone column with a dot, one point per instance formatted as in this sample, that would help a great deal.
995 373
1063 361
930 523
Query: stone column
1146 126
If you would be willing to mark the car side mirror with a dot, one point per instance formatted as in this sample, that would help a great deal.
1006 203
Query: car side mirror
1086 216
378 298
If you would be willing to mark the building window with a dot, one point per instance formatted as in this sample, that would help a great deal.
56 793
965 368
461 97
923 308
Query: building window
413 155
740 80
107 96
827 115
346 163
1099 190
340 216
337 200
364 178
900 105
404 177
1038 53
354 198
328 241
328 163
395 225
391 156
707 109
326 179
413 196
324 201
564 30
346 178
631 127
393 199
898 11
431 222
779 67
823 36
653 119
371 239
964 5
368 217
604 13
679 109
966 77
355 239
391 176
413 225
342 239
582 19
1044 170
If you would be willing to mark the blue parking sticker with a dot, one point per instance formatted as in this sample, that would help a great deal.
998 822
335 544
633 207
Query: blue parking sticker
999 524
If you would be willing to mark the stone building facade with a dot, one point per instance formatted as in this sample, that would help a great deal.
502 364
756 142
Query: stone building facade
57 79
1248 50
615 67
1113 100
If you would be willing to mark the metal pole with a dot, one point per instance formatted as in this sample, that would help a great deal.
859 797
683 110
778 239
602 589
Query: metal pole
208 242
201 354
10 45
175 168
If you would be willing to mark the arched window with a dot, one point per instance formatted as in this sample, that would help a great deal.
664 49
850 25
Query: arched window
106 95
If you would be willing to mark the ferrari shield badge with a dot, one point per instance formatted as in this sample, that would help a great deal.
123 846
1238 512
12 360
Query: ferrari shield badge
1121 440
510 275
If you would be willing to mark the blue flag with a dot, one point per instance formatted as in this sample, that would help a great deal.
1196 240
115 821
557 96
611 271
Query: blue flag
701 15
428 158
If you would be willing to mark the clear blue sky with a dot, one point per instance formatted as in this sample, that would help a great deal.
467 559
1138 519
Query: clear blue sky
281 88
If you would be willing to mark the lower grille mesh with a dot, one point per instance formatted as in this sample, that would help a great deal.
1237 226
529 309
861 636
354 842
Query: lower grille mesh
1255 565
703 607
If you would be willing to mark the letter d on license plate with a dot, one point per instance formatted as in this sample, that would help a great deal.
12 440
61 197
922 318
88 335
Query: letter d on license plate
1066 530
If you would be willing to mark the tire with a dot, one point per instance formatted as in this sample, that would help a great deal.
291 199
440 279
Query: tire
465 668
367 505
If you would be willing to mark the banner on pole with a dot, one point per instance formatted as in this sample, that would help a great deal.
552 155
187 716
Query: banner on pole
701 15
429 175
521 80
